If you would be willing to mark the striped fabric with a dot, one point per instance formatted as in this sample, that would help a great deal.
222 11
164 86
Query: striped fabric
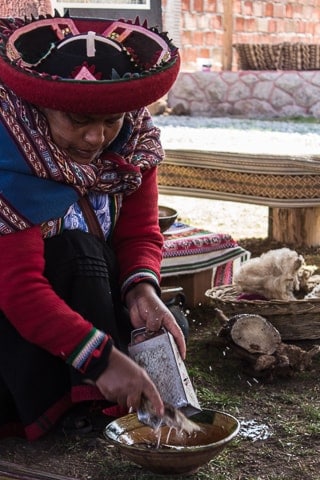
189 249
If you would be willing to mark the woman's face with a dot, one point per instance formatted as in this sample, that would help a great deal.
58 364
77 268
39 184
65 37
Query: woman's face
83 137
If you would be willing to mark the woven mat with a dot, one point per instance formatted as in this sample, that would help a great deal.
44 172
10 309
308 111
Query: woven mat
270 180
280 56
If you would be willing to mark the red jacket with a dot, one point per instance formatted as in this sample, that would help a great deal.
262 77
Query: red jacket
29 302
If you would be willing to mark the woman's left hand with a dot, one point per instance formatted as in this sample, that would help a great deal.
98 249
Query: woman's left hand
146 309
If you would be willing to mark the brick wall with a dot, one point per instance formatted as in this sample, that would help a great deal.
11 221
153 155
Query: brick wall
20 8
254 21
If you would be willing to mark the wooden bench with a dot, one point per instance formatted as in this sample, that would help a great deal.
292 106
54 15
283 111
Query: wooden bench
288 185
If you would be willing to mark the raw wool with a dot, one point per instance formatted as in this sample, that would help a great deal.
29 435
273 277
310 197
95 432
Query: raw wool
315 292
306 277
273 275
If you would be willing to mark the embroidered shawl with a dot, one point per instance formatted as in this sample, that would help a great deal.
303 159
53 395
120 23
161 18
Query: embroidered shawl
39 181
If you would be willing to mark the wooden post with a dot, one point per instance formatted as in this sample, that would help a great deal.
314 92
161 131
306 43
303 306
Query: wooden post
227 34
296 226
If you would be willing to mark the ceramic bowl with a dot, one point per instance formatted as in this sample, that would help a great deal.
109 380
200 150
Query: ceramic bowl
167 217
172 453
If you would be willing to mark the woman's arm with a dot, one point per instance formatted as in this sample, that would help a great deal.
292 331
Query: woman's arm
42 318
28 300
137 240
138 244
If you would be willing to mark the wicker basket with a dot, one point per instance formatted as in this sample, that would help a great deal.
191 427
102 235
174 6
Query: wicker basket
280 56
295 320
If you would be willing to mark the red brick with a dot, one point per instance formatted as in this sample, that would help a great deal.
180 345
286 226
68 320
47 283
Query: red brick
250 24
272 26
300 26
268 10
289 26
198 5
257 9
280 26
186 37
297 11
210 6
210 38
312 29
237 6
278 10
247 8
239 24
197 38
189 55
289 10
189 21
185 5
204 52
216 22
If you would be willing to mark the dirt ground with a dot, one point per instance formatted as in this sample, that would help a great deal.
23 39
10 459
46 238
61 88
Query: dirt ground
279 438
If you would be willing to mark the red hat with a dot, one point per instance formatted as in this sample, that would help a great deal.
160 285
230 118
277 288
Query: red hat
86 65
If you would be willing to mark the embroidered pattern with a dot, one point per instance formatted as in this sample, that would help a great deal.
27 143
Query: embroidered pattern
35 160
92 342
12 218
142 275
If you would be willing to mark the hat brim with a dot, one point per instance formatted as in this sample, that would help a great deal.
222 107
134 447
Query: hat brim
91 96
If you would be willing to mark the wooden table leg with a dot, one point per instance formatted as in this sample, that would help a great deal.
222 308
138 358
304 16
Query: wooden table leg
295 226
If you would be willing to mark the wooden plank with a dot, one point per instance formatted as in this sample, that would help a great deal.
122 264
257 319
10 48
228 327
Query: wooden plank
227 34
12 471
194 286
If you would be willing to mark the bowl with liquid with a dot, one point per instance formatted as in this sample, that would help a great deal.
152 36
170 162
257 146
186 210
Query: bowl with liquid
167 216
167 451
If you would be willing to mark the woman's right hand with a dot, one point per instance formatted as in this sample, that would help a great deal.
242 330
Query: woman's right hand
125 383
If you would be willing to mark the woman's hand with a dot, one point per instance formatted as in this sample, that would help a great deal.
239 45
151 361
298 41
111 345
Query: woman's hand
146 309
124 382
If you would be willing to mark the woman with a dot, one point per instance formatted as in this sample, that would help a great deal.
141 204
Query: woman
80 241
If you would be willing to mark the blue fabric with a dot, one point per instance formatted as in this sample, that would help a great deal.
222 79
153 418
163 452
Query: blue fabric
37 199
39 181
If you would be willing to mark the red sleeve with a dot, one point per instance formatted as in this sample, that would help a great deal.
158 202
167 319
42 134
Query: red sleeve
137 238
28 300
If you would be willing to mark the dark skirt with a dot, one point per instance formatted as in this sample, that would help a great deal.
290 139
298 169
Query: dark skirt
37 388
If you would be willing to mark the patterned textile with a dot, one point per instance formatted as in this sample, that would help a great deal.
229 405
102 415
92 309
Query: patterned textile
39 182
263 179
189 249
182 239
223 274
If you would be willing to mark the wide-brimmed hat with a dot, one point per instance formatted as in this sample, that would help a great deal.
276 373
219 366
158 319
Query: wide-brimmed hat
86 65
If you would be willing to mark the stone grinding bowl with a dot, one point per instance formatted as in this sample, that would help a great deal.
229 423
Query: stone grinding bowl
177 453
167 217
